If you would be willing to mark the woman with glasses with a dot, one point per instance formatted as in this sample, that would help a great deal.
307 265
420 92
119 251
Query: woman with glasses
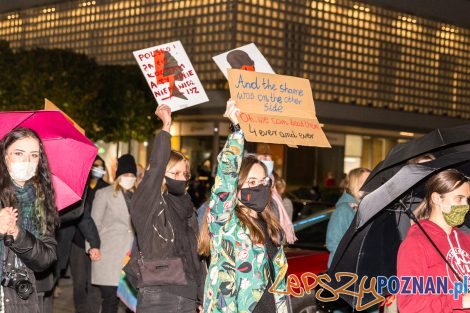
165 222
242 235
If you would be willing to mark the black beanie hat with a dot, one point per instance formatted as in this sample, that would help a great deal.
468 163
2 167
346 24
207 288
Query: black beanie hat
126 164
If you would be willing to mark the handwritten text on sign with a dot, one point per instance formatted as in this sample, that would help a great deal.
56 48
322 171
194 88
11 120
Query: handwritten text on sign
171 76
276 109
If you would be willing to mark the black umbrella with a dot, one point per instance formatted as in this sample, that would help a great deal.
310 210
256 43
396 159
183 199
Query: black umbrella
370 246
437 142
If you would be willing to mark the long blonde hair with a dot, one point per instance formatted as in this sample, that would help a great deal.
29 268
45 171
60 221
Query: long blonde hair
257 236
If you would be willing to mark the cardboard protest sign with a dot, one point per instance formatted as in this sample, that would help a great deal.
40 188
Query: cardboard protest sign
48 105
171 76
247 57
276 109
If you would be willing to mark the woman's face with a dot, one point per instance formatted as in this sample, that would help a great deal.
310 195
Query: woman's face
98 163
256 176
457 197
23 150
179 171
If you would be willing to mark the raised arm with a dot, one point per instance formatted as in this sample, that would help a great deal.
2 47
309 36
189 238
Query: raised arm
224 191
146 196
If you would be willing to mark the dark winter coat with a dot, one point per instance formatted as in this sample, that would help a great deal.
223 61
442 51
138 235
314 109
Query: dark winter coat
38 255
150 223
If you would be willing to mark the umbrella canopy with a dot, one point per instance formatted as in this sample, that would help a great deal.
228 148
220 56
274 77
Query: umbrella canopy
409 177
370 246
69 153
438 142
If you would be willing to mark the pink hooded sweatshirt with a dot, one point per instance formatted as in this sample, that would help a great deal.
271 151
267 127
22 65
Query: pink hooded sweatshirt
417 257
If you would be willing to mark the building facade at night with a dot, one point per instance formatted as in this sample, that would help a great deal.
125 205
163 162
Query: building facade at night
378 75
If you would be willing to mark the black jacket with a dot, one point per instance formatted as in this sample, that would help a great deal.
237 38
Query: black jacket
76 225
86 226
148 218
38 255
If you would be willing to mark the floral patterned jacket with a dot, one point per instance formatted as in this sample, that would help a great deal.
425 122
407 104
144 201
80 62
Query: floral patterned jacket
239 270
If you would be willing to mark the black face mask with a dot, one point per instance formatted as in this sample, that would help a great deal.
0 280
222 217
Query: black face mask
175 187
256 198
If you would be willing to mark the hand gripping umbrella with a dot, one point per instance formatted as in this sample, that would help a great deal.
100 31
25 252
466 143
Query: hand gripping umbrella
69 153
370 246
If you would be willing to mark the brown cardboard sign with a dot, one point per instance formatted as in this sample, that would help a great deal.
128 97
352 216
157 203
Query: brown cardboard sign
276 109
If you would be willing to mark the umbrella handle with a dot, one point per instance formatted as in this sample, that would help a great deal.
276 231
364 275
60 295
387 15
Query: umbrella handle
413 217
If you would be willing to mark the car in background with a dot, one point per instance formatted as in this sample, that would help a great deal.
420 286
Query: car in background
307 201
309 254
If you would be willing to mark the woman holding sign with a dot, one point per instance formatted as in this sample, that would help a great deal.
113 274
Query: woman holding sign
171 272
241 234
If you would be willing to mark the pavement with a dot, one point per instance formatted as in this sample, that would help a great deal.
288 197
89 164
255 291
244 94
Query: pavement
64 302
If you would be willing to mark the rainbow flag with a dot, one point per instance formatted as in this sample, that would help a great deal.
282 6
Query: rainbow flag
126 292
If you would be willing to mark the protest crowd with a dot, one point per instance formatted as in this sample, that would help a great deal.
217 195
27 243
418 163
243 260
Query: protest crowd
146 242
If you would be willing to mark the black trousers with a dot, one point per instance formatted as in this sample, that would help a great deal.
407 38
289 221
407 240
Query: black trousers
109 299
86 297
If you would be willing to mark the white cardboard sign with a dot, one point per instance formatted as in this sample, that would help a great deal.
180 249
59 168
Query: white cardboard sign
171 76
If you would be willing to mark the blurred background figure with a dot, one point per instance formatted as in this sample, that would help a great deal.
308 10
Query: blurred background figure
281 189
342 217
330 180
345 209
264 155
110 212
85 295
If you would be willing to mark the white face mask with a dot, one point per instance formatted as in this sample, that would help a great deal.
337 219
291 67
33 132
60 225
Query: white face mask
97 172
127 182
22 171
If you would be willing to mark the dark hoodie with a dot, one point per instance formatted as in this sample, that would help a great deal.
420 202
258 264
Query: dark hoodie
417 257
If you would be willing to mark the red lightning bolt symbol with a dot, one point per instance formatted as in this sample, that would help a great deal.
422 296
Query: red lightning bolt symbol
159 58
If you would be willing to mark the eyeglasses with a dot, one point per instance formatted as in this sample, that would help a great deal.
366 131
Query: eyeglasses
253 182
185 175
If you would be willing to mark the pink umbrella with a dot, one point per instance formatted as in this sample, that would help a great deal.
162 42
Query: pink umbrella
70 154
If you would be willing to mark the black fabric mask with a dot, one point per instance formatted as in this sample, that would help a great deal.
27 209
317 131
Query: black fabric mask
256 198
175 187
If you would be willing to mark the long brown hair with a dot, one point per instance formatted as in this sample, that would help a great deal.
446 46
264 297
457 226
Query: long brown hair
248 222
441 183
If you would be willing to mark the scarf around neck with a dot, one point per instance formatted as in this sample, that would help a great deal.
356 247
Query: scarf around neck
28 219
179 213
